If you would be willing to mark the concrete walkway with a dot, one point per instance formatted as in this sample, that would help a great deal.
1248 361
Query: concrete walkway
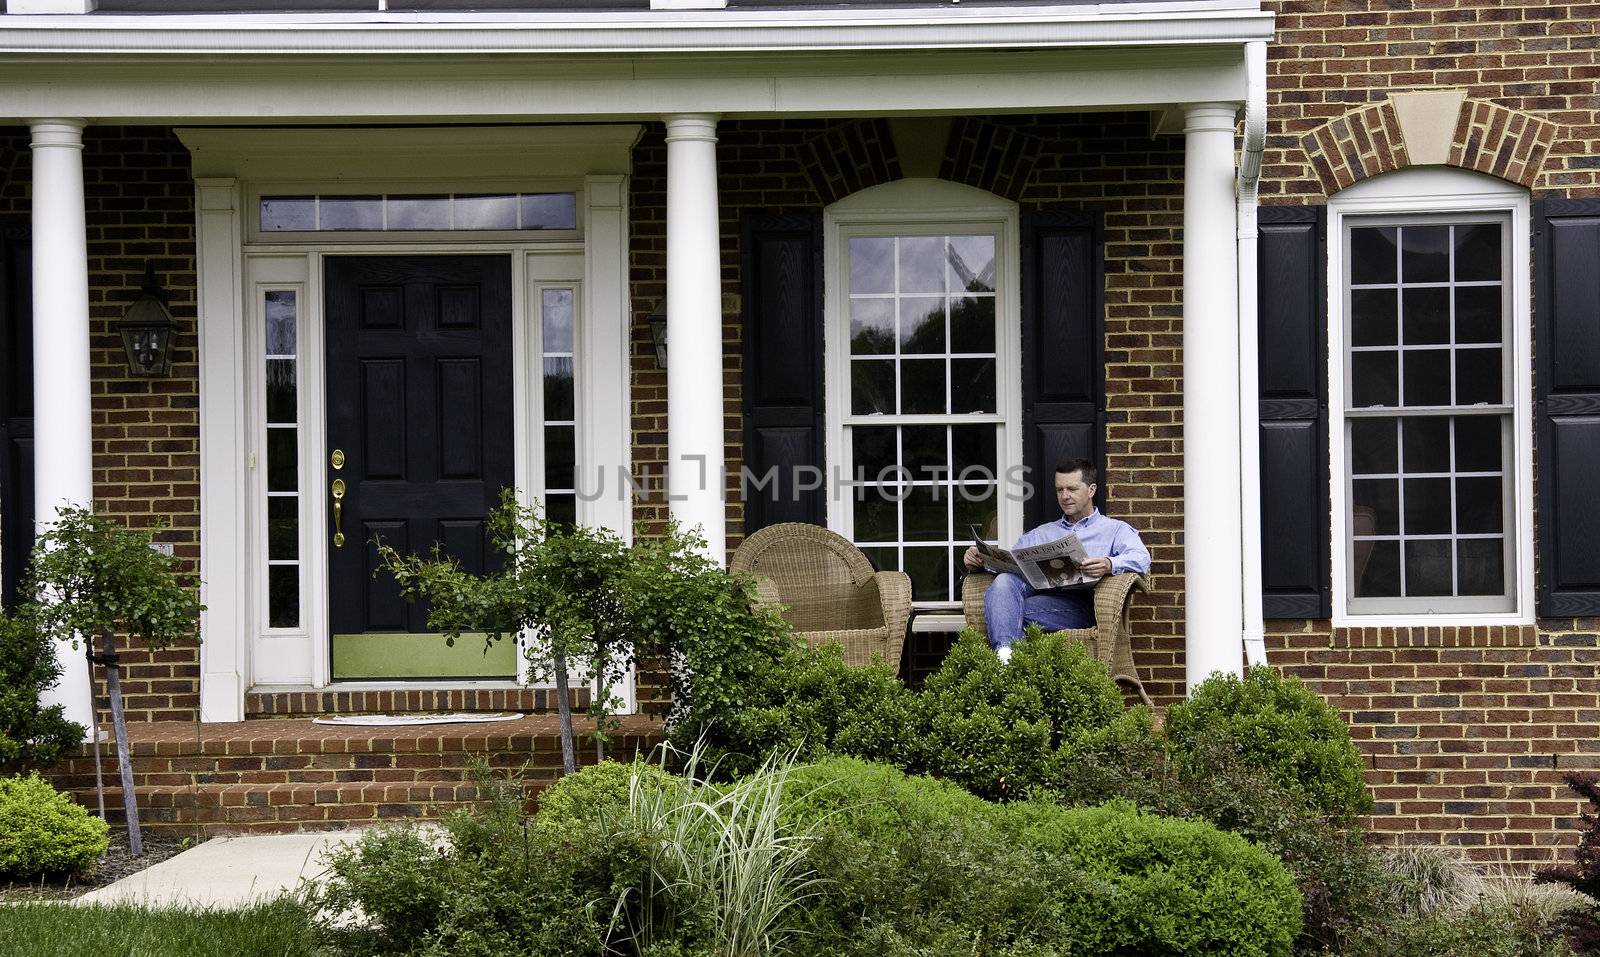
225 872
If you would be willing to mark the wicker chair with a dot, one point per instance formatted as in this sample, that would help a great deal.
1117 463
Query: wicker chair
827 591
1110 639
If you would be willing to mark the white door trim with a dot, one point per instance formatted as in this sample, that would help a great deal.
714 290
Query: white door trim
237 649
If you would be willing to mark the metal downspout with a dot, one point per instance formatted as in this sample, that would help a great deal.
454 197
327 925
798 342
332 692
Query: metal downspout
1255 136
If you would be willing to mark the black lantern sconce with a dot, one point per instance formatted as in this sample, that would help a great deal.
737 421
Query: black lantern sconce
147 329
658 333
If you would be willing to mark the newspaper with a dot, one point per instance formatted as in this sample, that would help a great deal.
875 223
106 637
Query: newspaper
1053 565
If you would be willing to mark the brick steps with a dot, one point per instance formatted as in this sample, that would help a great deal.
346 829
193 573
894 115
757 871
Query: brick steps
289 774
309 702
261 808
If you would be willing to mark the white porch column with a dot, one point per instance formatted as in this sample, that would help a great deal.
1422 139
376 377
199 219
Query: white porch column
1212 518
62 443
695 455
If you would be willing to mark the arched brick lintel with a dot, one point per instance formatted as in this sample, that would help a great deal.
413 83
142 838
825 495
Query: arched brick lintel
1488 139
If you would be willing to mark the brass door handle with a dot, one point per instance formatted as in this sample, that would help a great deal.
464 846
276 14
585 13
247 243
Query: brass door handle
338 513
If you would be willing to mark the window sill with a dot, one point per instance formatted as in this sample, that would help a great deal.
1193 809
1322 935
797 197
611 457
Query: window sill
1442 620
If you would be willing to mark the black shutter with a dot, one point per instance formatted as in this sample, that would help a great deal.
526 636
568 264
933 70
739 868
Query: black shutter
1063 351
1293 367
781 280
16 409
1567 404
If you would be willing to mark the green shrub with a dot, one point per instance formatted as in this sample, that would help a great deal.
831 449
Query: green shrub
43 832
819 705
526 892
490 884
996 728
912 865
1274 723
1162 885
1127 759
599 790
1214 781
31 735
722 655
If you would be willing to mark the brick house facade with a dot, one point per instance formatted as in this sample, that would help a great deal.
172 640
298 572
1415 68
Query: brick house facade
1467 726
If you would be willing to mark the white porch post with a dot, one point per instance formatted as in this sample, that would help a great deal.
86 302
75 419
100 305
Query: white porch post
1212 517
695 454
62 445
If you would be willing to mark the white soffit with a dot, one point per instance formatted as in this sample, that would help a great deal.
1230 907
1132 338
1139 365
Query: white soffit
948 27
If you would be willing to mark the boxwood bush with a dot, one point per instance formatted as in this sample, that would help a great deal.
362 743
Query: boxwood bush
996 728
1277 724
1159 885
42 832
913 865
593 792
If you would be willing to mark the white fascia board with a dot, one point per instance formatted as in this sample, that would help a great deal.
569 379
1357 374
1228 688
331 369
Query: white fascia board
931 28
288 90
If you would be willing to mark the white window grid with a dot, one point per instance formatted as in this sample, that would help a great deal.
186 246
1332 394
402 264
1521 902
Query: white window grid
548 423
454 204
290 616
951 487
1401 412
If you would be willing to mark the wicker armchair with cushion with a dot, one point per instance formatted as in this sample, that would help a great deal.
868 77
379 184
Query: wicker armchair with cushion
1110 639
827 590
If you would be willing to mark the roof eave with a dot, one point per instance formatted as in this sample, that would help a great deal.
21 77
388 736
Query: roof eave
554 34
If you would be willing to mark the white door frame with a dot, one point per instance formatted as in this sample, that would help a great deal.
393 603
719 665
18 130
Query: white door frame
234 268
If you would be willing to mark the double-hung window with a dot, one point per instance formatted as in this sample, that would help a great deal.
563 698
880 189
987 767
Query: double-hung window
923 383
1429 374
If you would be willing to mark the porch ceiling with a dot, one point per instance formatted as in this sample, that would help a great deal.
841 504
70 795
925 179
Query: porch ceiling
431 67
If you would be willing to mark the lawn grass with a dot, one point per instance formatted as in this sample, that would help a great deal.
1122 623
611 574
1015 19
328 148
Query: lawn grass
275 929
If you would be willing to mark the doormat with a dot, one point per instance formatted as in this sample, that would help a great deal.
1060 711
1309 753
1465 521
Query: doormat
402 720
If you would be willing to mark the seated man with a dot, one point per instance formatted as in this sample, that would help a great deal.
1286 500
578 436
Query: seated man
1113 546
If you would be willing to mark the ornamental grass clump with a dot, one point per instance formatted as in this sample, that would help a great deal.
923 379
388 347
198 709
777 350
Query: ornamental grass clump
724 872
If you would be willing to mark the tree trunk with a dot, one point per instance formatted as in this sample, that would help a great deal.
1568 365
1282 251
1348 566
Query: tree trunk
94 733
130 801
569 762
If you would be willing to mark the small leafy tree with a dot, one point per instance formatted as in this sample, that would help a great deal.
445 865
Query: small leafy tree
726 656
31 735
563 586
91 576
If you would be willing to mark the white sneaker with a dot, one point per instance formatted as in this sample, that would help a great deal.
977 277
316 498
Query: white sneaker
1004 651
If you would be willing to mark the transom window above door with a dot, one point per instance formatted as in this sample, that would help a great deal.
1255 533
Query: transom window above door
471 212
923 385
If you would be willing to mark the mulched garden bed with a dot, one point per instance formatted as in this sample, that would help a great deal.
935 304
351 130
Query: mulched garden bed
114 866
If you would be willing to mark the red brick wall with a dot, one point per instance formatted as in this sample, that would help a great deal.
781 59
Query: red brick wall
1466 729
139 202
1333 57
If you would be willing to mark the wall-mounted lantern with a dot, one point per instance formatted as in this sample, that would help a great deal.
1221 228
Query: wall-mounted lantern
658 333
147 329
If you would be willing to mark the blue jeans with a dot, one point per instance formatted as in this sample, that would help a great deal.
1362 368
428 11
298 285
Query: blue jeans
1010 603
